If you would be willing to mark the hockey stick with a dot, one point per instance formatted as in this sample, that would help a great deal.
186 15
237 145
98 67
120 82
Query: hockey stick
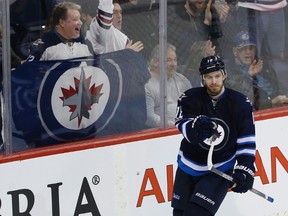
230 178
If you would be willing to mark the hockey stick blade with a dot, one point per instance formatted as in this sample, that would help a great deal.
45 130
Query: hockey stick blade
230 178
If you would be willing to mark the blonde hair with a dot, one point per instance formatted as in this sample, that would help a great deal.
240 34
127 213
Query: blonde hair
60 11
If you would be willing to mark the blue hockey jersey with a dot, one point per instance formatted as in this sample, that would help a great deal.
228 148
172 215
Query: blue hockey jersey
235 137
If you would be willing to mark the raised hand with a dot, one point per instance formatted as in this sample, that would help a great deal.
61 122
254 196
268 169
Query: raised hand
255 67
209 49
208 14
223 10
137 46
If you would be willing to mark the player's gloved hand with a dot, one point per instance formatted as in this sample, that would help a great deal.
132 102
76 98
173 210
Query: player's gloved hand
244 179
205 127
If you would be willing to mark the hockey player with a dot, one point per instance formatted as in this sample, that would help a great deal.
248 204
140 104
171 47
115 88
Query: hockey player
105 33
220 115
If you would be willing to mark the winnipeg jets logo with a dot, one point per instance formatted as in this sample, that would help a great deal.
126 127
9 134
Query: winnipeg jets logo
219 139
76 99
81 97
214 137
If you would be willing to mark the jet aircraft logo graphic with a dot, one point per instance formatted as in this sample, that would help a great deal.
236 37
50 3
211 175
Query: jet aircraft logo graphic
81 98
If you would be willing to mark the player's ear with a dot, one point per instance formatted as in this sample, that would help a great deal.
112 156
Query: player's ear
224 72
202 80
225 77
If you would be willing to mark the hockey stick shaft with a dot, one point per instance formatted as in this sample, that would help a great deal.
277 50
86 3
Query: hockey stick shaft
230 178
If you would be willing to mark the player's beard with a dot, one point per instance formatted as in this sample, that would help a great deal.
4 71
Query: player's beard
214 89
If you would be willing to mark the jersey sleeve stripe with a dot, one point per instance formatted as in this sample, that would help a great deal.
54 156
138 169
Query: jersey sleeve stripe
251 152
247 139
104 19
182 127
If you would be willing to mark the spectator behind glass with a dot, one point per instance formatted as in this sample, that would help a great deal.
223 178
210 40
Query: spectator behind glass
88 12
142 23
15 60
265 20
198 20
190 70
105 30
176 85
251 76
63 41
